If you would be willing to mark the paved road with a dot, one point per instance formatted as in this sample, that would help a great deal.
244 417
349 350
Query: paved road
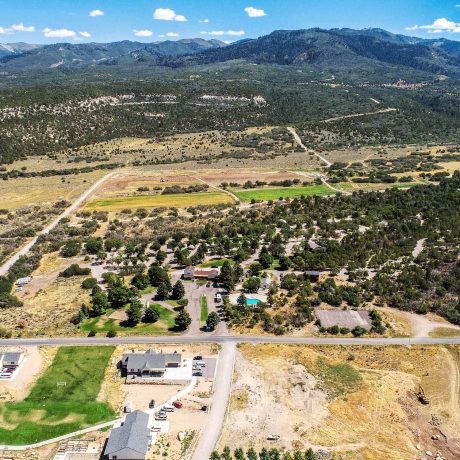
216 417
138 340
24 250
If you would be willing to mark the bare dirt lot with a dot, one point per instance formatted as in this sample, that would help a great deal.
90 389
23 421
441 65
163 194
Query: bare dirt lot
36 360
355 402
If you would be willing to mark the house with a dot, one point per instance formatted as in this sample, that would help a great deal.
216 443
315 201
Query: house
312 275
131 440
193 273
11 359
150 363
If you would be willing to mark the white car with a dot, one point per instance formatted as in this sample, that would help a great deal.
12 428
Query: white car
218 297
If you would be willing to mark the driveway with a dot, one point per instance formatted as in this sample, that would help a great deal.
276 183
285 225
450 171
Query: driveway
216 417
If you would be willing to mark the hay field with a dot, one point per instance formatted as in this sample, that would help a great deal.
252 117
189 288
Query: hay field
265 194
180 200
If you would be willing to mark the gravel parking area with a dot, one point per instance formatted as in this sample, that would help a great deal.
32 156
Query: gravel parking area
344 318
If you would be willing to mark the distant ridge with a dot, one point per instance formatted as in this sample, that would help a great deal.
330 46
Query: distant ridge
335 49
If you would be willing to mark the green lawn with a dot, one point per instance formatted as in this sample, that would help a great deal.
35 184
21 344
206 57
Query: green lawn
52 408
265 194
216 263
204 308
104 324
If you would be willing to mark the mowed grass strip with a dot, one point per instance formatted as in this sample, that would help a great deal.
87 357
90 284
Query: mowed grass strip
63 400
283 192
204 309
180 200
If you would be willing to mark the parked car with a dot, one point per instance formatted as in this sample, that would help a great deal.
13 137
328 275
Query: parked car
177 404
198 358
199 364
204 408
161 416
152 404
218 297
168 408
273 437
197 373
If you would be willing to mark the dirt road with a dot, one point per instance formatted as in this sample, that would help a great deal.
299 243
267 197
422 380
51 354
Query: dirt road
216 417
299 141
363 114
24 250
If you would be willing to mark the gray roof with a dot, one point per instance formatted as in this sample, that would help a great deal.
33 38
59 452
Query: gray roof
12 356
134 434
150 360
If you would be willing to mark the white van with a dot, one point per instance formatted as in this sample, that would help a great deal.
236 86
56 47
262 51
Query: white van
168 408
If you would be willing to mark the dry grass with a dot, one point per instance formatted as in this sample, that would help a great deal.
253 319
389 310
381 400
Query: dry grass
48 311
18 193
374 417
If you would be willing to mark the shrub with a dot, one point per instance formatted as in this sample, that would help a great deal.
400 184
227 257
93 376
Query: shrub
89 283
74 270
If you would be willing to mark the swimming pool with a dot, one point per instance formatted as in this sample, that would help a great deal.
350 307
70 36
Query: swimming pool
250 301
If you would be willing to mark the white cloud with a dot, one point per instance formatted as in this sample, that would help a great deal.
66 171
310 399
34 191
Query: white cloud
22 28
58 33
172 34
96 13
219 33
255 12
439 26
204 21
143 33
7 31
85 34
167 14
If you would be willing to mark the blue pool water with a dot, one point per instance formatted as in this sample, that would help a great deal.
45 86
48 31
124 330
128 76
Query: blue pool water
250 301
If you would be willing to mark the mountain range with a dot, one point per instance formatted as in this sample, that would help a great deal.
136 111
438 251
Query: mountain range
341 49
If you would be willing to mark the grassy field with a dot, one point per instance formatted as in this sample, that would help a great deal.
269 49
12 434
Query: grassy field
17 193
181 200
54 408
104 324
204 309
282 192
216 263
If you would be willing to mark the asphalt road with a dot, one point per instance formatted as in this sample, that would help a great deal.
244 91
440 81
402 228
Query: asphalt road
25 249
216 417
204 338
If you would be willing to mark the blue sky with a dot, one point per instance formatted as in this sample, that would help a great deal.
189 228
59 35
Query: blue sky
49 21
